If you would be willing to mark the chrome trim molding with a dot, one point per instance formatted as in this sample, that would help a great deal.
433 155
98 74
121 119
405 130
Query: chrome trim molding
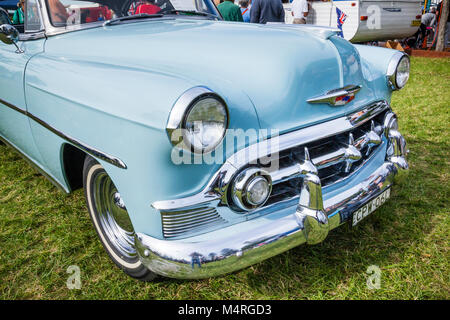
392 69
176 223
84 147
331 96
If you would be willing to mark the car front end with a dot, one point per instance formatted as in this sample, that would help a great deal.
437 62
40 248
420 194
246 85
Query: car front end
286 189
212 162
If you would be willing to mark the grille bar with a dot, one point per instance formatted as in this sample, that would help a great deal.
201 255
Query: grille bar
335 157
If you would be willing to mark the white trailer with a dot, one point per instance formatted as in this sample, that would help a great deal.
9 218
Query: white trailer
366 20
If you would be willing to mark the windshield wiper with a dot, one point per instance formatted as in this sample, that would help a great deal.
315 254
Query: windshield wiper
133 17
193 12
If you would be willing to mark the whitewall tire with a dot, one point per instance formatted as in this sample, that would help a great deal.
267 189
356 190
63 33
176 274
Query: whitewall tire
111 221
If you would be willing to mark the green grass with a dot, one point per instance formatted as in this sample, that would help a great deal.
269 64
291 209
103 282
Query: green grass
43 232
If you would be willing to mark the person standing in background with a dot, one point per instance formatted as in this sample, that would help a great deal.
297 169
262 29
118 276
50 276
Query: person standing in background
18 17
300 11
263 11
428 20
245 10
230 11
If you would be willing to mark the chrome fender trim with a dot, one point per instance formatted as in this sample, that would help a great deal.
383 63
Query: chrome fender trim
77 143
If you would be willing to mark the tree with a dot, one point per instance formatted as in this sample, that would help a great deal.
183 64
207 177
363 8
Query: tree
440 45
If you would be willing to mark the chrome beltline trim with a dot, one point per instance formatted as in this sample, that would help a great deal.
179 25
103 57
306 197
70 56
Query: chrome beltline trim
86 148
217 186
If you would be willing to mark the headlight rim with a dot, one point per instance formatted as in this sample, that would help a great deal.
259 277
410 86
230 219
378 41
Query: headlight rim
180 112
392 70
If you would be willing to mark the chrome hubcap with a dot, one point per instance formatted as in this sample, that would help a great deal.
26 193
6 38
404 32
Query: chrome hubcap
112 216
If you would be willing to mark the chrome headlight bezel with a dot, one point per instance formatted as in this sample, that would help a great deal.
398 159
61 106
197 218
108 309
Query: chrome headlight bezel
176 125
392 72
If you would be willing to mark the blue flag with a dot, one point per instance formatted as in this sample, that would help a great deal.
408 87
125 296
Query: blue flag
341 16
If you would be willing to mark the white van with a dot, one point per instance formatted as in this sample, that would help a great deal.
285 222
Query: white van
366 20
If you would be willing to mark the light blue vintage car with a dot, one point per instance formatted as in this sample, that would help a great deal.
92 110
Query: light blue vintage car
203 146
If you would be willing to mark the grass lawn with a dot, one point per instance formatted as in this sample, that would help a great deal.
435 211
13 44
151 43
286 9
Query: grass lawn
43 231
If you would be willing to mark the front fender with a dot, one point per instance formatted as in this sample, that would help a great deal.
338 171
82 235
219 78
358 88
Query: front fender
122 112
374 63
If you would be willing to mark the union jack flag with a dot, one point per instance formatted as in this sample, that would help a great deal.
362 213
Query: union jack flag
341 16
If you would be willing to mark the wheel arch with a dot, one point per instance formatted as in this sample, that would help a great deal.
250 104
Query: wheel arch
72 159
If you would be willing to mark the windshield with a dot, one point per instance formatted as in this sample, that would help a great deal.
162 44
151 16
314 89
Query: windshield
73 12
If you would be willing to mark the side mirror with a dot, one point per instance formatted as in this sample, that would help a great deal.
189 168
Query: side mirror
10 35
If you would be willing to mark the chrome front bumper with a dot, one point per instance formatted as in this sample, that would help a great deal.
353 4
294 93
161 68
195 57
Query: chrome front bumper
307 220
232 249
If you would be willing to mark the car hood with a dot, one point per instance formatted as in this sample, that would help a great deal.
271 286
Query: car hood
278 67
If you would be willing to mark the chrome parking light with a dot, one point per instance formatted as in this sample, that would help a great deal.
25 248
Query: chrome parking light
244 189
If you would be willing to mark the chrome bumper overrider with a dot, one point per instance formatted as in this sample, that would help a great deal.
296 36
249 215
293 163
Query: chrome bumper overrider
238 246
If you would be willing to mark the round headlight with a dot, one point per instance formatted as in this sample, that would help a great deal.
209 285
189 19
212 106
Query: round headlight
398 71
402 73
205 123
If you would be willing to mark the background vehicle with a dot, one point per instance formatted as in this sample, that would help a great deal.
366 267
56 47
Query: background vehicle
366 20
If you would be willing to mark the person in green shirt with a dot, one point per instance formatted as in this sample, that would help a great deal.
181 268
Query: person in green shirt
230 11
18 17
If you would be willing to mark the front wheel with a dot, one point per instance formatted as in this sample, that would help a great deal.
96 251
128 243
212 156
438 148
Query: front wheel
111 221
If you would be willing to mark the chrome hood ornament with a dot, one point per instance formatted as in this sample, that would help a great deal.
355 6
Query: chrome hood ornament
337 97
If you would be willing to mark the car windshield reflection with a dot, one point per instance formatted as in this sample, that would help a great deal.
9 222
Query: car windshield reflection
65 13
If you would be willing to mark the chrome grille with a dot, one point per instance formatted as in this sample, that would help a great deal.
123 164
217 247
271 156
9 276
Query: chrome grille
335 157
176 223
335 149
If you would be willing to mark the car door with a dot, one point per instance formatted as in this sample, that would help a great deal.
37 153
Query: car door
14 121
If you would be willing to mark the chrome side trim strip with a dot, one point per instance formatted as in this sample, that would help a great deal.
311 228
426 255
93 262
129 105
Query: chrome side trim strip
86 148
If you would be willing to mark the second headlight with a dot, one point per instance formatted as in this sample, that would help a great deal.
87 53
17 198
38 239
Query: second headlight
398 71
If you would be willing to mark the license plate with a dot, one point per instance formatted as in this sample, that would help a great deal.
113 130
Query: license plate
370 207
415 23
